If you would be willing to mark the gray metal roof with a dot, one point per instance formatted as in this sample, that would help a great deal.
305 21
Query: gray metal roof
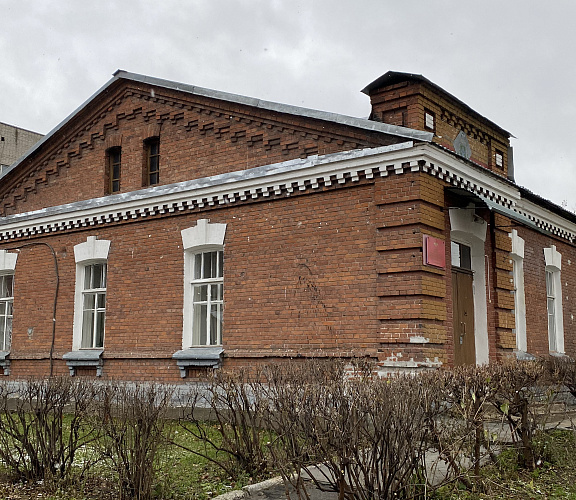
350 121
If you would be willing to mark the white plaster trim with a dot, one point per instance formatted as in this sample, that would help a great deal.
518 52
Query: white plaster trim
203 237
7 262
547 220
471 231
517 244
284 179
92 250
553 260
517 255
203 234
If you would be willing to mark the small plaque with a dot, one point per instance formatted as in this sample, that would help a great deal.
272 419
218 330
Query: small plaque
462 146
434 252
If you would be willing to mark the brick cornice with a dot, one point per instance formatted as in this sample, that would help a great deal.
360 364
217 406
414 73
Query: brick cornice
284 179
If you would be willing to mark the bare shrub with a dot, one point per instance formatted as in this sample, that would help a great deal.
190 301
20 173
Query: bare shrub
295 393
37 440
361 436
562 371
524 398
460 435
134 426
236 403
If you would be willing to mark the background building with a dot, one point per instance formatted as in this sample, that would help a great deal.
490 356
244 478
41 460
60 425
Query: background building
14 142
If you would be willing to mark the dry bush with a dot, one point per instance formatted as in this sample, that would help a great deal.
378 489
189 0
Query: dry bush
365 437
460 434
37 442
134 426
524 398
237 402
562 371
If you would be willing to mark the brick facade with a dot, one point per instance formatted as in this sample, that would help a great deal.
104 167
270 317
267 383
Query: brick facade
323 249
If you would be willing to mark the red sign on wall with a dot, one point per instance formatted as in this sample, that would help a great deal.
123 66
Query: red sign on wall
434 252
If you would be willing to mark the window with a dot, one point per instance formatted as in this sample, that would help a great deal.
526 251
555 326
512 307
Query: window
90 298
461 255
429 120
93 306
7 271
207 298
499 159
6 307
553 261
152 161
517 255
114 163
203 285
551 306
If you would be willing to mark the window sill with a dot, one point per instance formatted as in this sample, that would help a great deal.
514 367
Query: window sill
195 357
556 354
88 358
525 356
5 362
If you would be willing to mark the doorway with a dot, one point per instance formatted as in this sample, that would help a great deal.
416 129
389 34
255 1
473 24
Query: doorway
463 305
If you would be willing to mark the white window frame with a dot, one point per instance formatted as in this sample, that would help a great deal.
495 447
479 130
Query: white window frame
517 256
553 283
213 284
7 268
92 251
203 238
98 307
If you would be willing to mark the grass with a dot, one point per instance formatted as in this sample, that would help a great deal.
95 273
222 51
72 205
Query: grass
555 477
182 475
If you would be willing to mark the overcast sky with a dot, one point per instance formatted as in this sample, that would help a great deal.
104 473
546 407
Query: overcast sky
513 61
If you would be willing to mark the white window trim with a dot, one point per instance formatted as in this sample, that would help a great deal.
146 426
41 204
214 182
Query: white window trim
92 251
7 262
553 260
204 237
517 256
7 266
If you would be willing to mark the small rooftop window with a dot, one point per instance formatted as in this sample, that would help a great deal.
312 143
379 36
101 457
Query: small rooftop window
429 120
499 159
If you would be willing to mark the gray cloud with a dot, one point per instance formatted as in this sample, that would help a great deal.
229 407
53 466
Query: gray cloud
512 61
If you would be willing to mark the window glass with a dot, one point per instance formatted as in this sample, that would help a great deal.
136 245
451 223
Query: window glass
6 310
153 161
207 297
94 306
114 167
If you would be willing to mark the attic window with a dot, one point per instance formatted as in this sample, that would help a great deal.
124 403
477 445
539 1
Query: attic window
499 159
429 120
114 163
152 172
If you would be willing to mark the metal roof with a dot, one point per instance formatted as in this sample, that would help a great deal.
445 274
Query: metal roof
349 121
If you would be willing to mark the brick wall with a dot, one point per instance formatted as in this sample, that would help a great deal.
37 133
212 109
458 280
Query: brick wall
412 296
299 275
535 290
199 137
405 104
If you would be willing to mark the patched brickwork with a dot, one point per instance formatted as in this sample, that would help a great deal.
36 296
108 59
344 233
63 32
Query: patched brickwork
412 305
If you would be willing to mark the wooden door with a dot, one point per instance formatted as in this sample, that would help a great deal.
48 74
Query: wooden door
463 314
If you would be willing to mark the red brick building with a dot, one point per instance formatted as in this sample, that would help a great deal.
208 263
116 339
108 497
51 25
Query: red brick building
164 228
